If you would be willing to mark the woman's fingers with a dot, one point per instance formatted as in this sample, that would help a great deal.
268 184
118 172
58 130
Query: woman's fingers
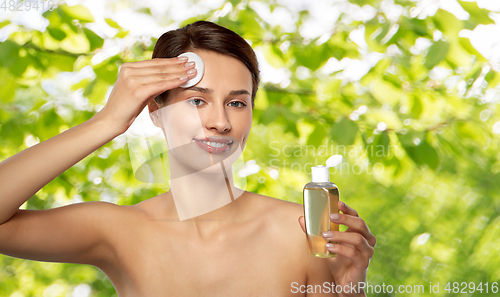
182 76
155 85
302 223
351 253
157 62
352 238
355 224
347 209
157 69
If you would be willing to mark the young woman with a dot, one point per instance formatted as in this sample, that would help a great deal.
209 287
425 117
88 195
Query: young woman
252 246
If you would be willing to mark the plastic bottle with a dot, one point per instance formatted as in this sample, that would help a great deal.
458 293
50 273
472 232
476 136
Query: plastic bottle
320 200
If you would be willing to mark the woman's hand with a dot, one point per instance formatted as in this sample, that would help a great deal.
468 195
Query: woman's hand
140 82
354 249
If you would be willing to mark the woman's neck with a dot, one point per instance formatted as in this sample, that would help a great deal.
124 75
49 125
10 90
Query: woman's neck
202 195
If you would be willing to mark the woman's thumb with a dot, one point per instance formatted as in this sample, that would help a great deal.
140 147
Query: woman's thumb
302 223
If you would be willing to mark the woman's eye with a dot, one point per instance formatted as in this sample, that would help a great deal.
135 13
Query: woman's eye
241 104
195 102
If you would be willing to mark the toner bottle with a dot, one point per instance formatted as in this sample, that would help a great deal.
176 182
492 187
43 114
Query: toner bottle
320 200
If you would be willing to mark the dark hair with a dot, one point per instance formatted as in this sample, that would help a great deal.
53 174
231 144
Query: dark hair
208 36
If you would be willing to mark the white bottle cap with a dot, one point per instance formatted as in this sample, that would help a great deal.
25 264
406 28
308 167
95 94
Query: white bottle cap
320 174
198 65
334 160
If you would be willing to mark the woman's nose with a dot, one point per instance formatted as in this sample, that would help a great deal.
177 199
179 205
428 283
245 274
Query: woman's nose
217 120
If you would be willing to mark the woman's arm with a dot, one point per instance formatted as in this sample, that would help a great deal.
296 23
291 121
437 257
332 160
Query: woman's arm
64 234
77 233
25 173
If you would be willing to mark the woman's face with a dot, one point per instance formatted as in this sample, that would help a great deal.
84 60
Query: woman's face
210 121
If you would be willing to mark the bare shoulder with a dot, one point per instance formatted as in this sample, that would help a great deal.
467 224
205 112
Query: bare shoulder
277 207
278 222
152 207
108 211
278 216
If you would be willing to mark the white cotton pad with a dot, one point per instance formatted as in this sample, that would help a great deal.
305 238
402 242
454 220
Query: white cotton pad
198 65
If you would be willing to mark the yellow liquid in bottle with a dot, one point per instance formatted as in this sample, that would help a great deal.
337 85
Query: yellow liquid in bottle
319 203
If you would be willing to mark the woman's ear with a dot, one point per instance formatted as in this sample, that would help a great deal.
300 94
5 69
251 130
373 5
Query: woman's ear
153 107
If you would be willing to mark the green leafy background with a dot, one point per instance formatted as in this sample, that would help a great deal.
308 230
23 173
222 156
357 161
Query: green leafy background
422 161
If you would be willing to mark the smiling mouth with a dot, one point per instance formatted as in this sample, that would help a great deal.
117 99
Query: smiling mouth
213 145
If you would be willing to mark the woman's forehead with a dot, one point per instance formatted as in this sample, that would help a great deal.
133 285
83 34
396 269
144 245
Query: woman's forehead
224 73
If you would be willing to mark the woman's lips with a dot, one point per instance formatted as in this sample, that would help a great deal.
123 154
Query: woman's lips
215 147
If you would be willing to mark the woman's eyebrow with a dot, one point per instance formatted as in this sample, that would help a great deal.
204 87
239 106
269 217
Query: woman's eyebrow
239 92
209 91
199 90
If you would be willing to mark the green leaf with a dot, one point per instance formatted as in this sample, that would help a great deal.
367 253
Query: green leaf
415 26
379 148
411 138
54 17
382 33
95 40
7 86
107 70
113 24
447 22
78 12
474 73
416 108
292 127
56 33
339 47
372 31
344 132
269 115
4 23
21 66
289 115
62 62
75 43
437 52
386 92
422 154
145 10
96 91
467 45
493 78
317 135
364 2
12 132
479 15
121 33
249 27
49 118
9 51
311 55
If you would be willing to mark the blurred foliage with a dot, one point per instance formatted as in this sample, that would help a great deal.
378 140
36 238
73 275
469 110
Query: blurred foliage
415 128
